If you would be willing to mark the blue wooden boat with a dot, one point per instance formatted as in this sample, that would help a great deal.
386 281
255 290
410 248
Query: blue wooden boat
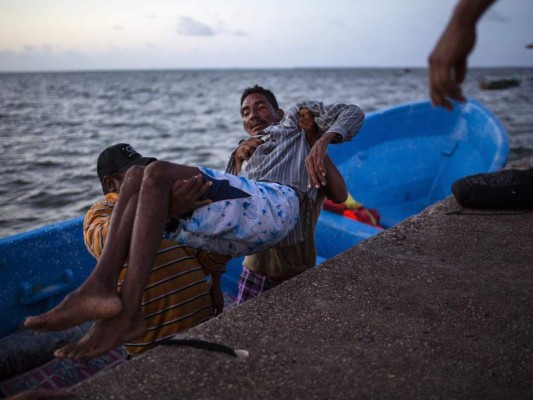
403 160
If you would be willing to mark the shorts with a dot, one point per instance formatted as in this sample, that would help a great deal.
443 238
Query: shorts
252 284
245 217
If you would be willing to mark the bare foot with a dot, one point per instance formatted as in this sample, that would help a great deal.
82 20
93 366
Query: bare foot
78 307
105 335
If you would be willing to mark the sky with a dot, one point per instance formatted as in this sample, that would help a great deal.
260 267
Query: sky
59 35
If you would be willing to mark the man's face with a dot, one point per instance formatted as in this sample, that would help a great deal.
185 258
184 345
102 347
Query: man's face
114 182
257 114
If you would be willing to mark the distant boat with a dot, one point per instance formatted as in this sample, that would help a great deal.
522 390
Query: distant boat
499 84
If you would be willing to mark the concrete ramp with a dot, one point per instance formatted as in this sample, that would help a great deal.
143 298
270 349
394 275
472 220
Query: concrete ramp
438 307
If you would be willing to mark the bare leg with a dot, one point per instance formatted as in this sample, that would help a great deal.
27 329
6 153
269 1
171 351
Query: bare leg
150 219
97 341
97 298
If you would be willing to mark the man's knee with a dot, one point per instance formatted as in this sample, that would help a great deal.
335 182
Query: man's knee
133 178
158 173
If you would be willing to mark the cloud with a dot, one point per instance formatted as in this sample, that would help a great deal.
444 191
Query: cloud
117 28
222 29
188 26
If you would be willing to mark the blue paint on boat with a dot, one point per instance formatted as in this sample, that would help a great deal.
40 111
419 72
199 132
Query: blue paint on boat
404 159
38 268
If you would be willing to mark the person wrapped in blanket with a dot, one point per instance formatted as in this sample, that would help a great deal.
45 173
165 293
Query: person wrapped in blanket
176 296
240 215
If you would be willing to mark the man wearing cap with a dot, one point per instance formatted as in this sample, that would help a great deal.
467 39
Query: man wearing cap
176 296
117 159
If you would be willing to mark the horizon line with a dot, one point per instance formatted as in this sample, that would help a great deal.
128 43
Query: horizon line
242 69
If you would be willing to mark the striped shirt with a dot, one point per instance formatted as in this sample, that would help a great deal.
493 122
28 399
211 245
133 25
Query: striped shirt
176 296
281 156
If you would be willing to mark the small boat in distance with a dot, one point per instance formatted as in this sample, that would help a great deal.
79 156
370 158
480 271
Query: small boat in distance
499 84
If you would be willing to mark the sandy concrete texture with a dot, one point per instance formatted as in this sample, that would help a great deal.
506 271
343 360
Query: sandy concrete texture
438 307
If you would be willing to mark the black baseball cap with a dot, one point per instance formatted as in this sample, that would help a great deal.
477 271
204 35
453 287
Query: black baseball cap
119 157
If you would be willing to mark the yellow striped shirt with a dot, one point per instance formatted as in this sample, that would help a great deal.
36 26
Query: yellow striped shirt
176 296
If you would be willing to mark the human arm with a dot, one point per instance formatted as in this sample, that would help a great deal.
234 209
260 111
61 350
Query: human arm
345 120
331 182
335 187
215 290
245 150
320 168
184 198
215 265
338 122
185 195
242 153
448 60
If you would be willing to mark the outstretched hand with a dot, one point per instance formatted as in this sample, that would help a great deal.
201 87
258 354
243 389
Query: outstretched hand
185 195
448 64
308 124
245 151
314 162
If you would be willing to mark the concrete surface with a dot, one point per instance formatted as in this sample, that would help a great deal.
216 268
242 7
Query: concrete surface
438 307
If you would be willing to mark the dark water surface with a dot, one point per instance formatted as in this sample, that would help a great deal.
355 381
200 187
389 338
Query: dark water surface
54 125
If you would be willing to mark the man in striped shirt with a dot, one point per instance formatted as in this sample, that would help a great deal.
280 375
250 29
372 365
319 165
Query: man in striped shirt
290 148
245 216
176 296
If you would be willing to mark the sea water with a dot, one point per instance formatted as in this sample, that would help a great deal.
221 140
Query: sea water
54 125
